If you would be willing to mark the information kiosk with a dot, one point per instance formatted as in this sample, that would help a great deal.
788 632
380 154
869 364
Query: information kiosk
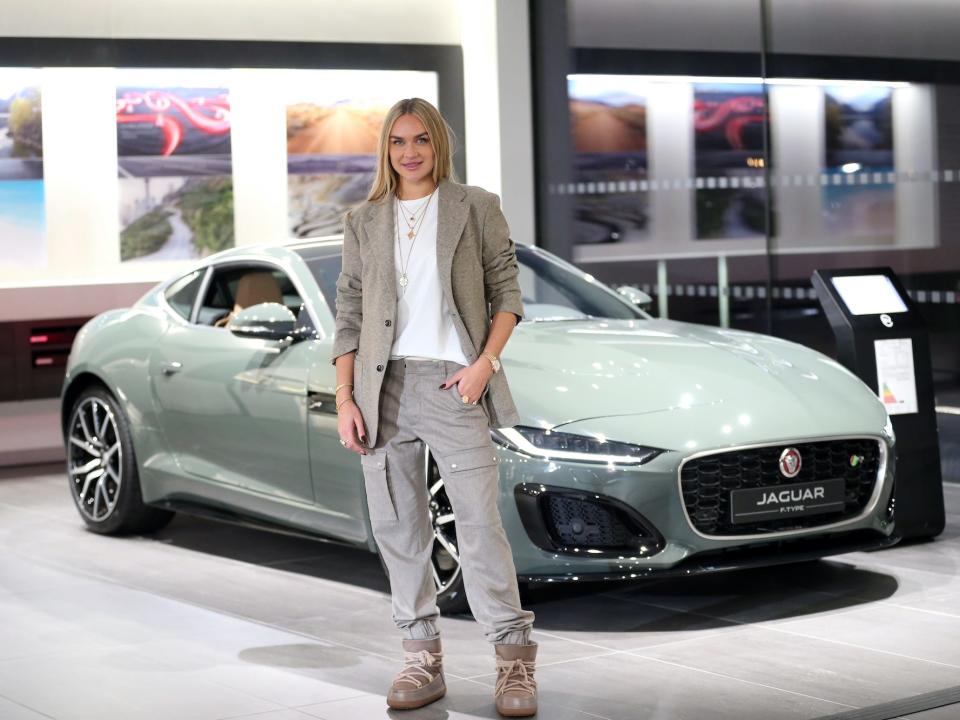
883 340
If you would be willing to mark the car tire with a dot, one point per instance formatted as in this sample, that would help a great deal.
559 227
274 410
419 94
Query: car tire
102 468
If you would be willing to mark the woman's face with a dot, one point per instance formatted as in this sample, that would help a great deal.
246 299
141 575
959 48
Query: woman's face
411 152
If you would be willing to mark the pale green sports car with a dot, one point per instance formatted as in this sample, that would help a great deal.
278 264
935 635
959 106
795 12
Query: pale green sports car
646 446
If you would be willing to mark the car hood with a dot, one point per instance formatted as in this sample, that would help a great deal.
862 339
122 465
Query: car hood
681 386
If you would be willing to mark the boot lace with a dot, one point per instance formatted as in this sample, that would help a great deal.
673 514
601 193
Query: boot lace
515 675
415 666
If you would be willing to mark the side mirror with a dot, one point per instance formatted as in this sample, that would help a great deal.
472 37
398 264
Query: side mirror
637 297
266 321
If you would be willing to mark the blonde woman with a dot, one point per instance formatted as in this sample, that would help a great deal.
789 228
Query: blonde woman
427 299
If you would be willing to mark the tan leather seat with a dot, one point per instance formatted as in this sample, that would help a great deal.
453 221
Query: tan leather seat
254 287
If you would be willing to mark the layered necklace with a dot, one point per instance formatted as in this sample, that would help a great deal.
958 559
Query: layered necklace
413 223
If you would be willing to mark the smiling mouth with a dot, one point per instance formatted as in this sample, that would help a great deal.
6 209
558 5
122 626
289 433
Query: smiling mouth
411 166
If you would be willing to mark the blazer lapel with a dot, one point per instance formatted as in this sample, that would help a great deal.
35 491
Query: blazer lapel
382 236
452 217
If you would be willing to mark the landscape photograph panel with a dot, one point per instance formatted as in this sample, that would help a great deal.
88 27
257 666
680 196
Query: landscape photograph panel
728 125
858 127
333 127
608 115
22 210
174 163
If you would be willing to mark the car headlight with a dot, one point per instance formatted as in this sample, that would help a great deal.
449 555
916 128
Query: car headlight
571 446
888 429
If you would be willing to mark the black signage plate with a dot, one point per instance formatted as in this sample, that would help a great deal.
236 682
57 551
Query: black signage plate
786 501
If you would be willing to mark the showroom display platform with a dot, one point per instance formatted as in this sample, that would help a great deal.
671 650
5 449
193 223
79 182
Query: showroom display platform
207 621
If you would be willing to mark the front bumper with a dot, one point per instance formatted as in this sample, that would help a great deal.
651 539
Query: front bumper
651 491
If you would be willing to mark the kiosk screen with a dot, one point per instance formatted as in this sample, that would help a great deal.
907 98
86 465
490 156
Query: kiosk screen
869 294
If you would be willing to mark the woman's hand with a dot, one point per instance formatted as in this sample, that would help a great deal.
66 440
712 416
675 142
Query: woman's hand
471 381
350 427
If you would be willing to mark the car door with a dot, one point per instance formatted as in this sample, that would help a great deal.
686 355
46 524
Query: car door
233 409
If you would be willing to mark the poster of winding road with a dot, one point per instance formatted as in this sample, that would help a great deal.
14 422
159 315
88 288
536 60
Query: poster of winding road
608 116
22 234
175 165
333 125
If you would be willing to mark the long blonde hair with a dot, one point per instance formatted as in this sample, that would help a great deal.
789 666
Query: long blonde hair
441 138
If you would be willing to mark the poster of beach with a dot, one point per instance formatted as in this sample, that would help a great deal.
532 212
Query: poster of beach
728 125
22 224
859 201
333 125
175 164
608 117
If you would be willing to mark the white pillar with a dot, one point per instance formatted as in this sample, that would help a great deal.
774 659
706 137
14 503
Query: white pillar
497 105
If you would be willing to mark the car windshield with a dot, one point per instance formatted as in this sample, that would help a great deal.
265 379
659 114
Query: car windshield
552 290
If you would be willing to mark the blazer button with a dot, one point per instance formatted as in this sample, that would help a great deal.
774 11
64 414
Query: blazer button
379 368
387 323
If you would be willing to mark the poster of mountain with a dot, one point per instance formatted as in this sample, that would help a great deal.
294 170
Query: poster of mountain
608 117
22 223
175 164
859 200
728 124
333 125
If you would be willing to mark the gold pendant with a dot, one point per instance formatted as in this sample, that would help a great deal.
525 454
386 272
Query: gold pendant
411 234
403 280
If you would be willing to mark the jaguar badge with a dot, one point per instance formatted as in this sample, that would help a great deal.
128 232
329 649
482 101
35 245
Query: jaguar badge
790 462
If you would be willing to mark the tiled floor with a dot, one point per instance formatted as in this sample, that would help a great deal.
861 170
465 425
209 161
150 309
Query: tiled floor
207 621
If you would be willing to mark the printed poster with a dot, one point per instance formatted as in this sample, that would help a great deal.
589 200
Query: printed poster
22 216
608 118
333 126
175 164
859 201
728 124
896 383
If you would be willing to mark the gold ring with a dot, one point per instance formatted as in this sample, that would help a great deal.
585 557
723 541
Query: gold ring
465 398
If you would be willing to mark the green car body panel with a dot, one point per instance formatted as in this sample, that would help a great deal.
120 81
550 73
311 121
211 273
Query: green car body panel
244 425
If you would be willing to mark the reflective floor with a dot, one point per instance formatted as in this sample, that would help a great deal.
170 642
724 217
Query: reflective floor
208 621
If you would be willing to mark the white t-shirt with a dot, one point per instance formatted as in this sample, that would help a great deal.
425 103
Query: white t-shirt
424 328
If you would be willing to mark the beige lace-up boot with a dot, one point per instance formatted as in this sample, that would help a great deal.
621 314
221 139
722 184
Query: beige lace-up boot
420 682
516 690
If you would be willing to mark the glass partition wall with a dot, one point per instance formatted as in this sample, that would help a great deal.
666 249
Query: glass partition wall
716 154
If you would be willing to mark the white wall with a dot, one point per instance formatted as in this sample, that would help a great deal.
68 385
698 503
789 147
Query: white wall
81 190
370 21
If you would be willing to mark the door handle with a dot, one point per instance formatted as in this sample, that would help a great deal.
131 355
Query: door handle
170 368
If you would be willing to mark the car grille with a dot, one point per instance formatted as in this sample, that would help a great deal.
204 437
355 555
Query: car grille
706 483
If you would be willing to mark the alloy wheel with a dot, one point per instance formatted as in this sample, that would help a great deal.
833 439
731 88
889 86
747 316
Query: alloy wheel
95 459
445 561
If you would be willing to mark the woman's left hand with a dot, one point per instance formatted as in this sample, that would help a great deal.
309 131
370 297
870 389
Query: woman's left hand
471 381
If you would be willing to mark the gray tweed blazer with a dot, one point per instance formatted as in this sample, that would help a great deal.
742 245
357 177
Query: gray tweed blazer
478 275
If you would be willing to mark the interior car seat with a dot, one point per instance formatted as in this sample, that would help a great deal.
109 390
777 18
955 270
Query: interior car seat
253 288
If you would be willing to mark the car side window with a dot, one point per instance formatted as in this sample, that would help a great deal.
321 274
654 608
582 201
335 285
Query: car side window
182 292
234 288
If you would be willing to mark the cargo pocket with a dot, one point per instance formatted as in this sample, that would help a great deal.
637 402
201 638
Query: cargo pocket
473 484
474 459
376 480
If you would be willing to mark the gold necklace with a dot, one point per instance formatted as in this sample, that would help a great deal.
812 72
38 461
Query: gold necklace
404 280
413 216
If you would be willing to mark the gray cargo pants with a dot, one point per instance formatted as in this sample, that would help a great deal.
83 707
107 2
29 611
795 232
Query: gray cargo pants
414 411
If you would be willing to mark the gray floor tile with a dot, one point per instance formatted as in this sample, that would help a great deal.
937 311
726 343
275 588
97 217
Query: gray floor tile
118 683
14 711
628 687
896 630
828 670
288 714
950 712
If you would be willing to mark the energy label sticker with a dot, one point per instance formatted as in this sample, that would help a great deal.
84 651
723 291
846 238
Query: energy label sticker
896 383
